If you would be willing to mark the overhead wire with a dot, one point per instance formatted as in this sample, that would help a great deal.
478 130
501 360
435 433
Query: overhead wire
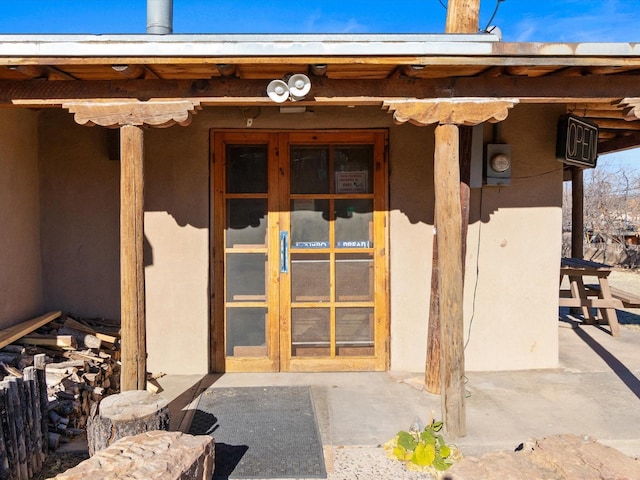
495 11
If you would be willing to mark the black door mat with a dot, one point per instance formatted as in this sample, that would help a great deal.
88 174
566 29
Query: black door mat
261 432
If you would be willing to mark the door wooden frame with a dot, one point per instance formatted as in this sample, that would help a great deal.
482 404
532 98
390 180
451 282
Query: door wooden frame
279 143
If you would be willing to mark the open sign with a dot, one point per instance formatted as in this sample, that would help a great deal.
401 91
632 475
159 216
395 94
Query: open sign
577 142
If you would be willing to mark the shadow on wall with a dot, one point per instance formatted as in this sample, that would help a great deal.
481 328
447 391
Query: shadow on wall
536 176
80 191
80 206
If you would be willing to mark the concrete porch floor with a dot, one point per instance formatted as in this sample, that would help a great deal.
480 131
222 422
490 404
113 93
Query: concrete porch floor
595 391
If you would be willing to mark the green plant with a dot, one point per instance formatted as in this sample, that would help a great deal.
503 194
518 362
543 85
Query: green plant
426 448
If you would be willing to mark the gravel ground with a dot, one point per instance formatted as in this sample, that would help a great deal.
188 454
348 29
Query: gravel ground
369 463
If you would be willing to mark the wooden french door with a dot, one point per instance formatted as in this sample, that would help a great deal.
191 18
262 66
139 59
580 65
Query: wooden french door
299 251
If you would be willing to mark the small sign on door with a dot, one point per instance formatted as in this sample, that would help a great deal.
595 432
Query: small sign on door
351 182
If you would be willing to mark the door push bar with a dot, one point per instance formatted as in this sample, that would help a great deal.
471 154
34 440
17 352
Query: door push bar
284 252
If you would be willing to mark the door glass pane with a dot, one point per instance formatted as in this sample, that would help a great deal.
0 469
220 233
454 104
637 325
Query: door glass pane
246 332
309 169
309 223
246 169
246 222
354 277
354 331
354 223
354 169
246 274
310 278
310 332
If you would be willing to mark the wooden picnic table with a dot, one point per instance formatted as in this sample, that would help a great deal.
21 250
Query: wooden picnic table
598 297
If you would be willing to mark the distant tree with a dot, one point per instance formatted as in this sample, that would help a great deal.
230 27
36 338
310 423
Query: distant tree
611 204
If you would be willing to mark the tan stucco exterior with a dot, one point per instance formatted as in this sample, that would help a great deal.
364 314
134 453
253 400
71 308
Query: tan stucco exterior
513 249
510 294
20 262
80 205
513 253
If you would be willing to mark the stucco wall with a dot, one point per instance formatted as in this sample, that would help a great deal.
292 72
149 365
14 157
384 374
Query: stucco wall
513 249
511 290
20 274
177 253
80 219
81 247
410 243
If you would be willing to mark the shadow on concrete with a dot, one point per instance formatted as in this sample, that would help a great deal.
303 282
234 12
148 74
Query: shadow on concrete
180 407
620 369
227 458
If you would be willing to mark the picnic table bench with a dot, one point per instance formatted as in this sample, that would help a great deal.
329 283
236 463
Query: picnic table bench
628 299
600 298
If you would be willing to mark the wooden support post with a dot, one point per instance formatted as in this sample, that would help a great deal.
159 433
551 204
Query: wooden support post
432 367
449 232
131 114
577 213
463 16
432 375
132 294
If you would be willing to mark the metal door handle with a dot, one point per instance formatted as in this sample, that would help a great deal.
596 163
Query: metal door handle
284 252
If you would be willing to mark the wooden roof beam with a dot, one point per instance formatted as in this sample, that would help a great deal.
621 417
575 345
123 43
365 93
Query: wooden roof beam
607 135
130 71
578 71
318 69
411 70
492 72
610 124
518 70
54 73
608 70
602 114
624 142
41 71
227 69
222 91
31 71
593 106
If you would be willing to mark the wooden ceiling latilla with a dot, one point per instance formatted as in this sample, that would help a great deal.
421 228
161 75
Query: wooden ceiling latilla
114 113
464 111
463 16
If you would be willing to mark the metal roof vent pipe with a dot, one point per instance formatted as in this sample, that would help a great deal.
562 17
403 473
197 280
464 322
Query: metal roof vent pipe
159 17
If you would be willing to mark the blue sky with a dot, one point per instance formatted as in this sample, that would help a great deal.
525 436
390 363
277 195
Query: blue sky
519 20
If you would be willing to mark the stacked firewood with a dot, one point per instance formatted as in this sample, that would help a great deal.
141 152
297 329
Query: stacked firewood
82 367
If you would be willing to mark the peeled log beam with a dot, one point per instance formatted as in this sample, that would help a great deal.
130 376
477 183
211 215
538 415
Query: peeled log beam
124 414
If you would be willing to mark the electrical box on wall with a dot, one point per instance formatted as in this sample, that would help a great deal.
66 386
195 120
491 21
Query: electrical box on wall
497 164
